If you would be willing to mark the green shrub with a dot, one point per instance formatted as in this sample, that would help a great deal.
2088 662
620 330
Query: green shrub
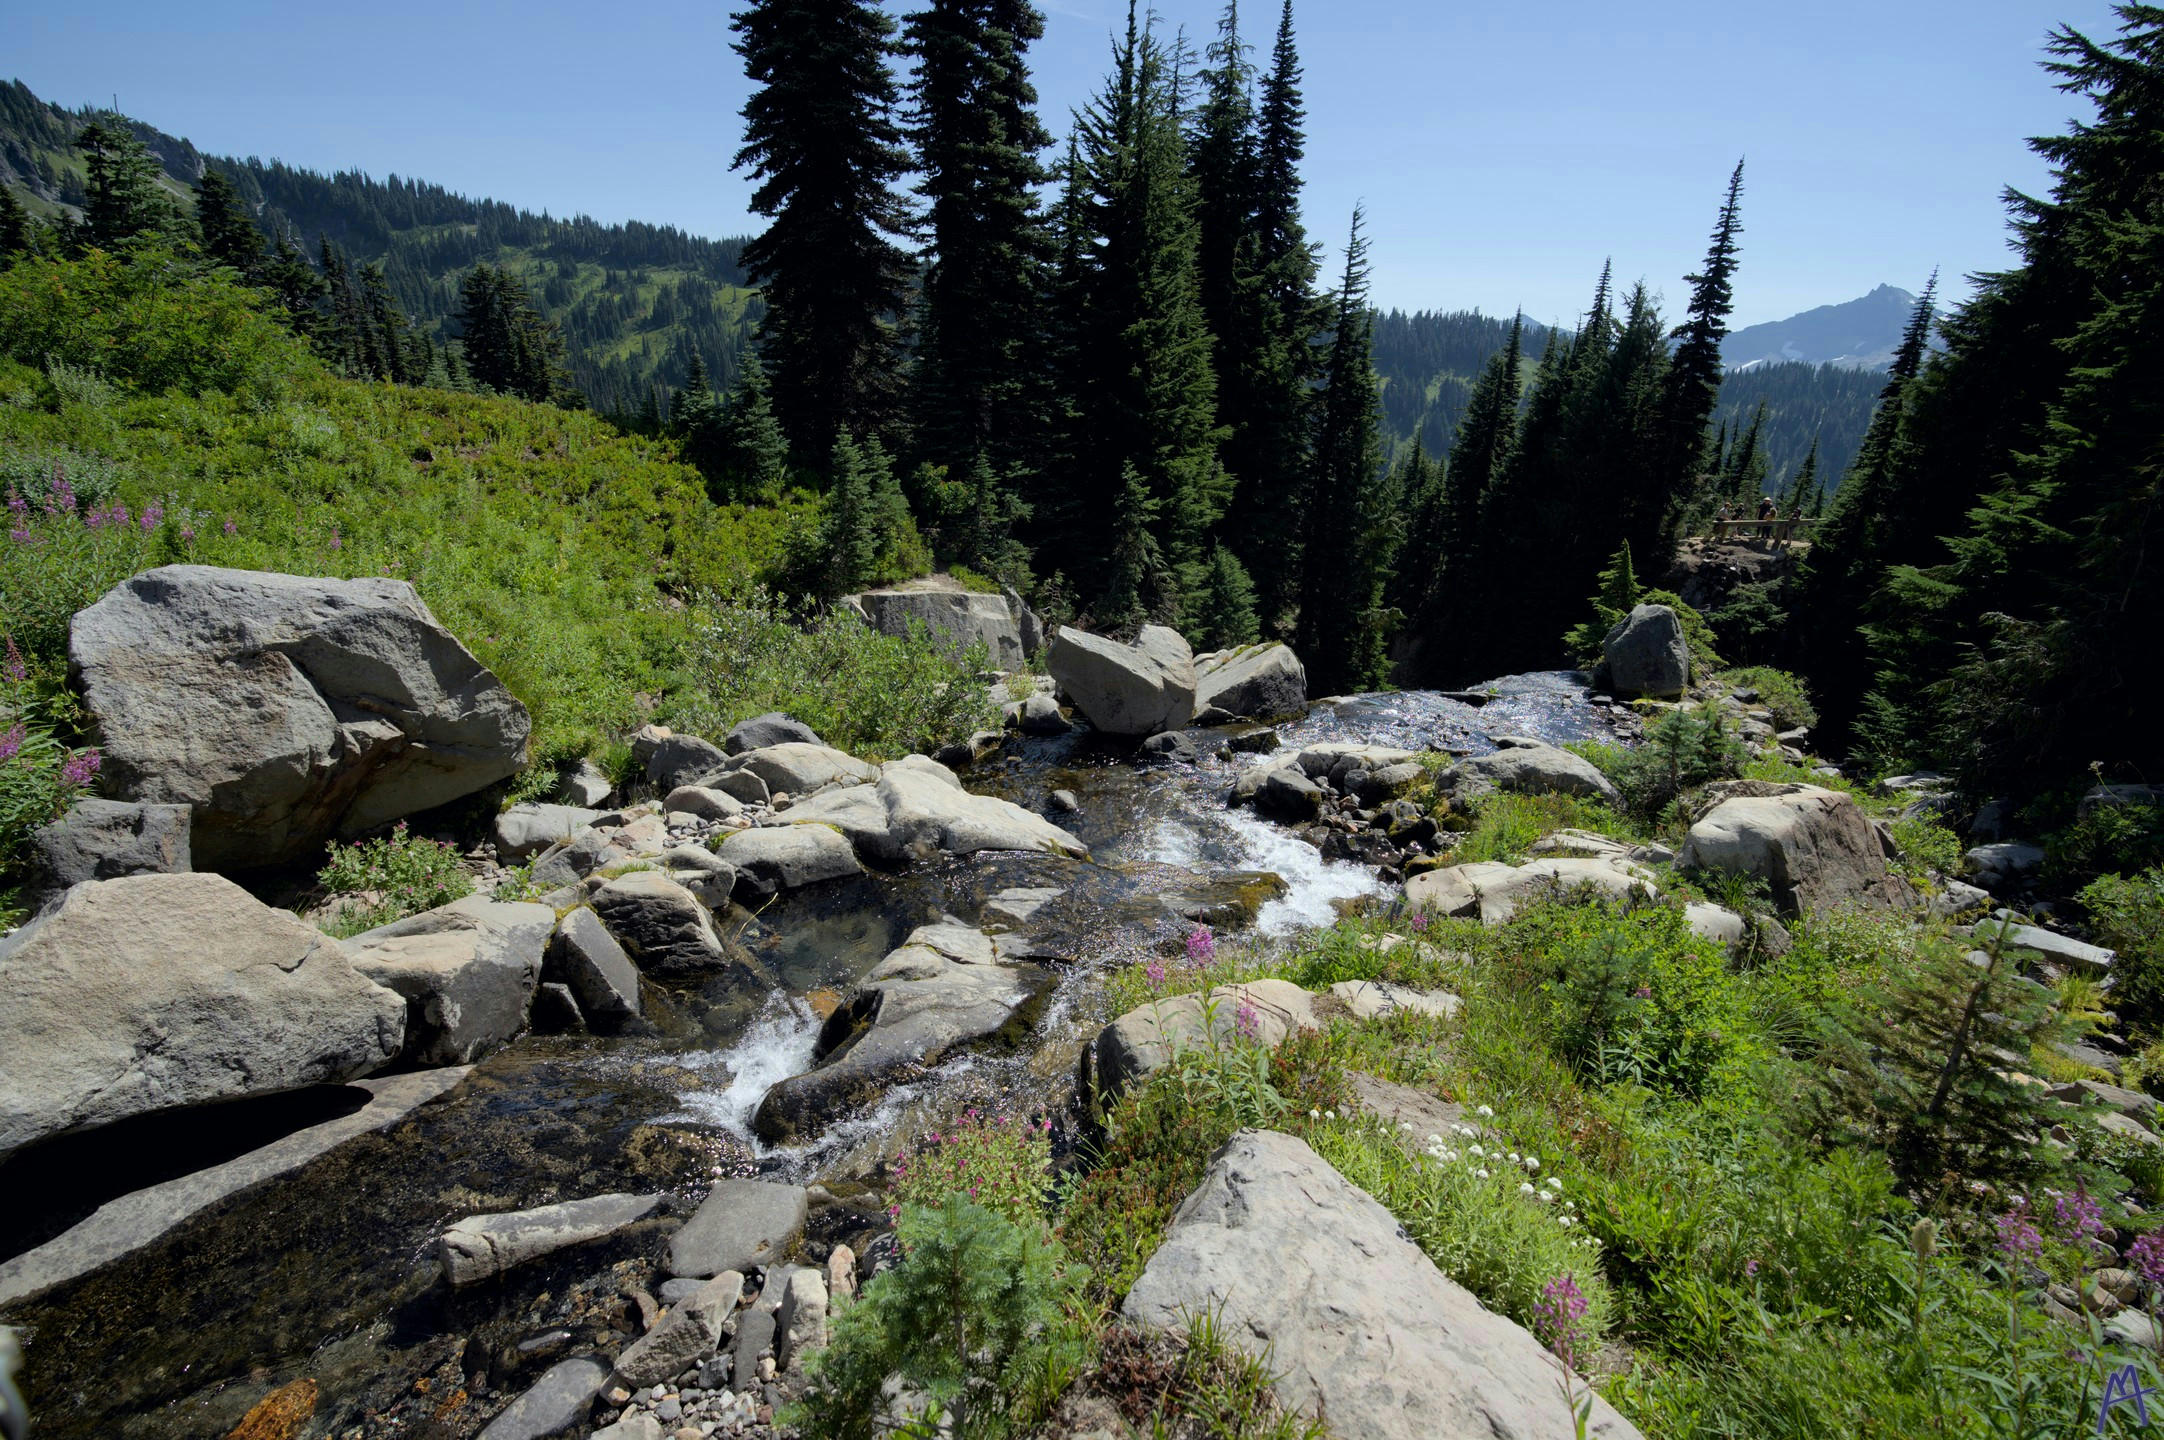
2110 839
2128 915
870 694
61 554
1925 844
1506 824
1002 1163
1779 691
402 874
1705 660
974 1302
39 775
1682 749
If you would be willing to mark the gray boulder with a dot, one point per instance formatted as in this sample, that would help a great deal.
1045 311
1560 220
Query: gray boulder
2062 950
1309 1274
960 618
585 786
556 1404
1040 715
705 802
1373 999
741 786
682 760
1494 891
1136 689
775 858
800 769
800 1321
1254 682
1287 794
156 991
918 809
1814 848
2004 866
661 925
1530 770
687 1333
702 872
764 731
105 840
481 1247
1647 654
467 972
1144 1040
526 830
286 711
740 1225
585 957
945 987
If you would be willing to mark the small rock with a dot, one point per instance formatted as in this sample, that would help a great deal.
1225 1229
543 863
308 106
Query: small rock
1066 802
634 1426
482 1246
558 1402
770 729
800 1323
842 1272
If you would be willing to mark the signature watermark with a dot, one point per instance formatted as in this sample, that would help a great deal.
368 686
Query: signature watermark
2124 1387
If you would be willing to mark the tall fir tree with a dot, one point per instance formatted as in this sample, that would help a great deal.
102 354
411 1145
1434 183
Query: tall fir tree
1802 488
1692 387
15 227
509 345
754 453
822 141
1422 482
977 138
124 201
228 235
1345 618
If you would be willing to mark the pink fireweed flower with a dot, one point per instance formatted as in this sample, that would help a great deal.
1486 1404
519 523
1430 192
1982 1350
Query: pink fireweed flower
2077 1217
230 527
1559 1316
118 514
1155 973
1247 1021
338 542
15 669
80 767
2018 1239
12 741
151 516
17 506
2146 1255
1201 946
1643 992
187 534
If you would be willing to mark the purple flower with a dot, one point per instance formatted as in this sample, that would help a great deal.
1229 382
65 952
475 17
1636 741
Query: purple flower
1750 1267
187 534
15 669
17 506
152 514
12 741
1559 1316
230 527
22 537
80 767
2018 1239
119 513
2146 1255
2077 1216
1247 1021
1155 971
1643 992
94 519
338 541
1201 946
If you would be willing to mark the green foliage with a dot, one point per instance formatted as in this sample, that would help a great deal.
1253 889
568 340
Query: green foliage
1225 616
1611 604
974 1302
1926 845
2110 839
149 321
1697 634
1779 691
1683 749
870 694
2127 914
40 775
61 555
1001 1163
869 537
391 877
1506 824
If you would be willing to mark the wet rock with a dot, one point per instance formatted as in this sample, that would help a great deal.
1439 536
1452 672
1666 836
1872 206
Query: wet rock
481 1247
1260 741
156 991
105 840
742 1225
555 1011
685 1335
1529 770
1067 802
2004 867
1310 1274
1040 715
1144 1040
1171 746
466 970
285 711
528 829
679 760
800 1321
1647 654
558 1403
775 858
766 731
667 932
841 1273
1380 787
801 769
1814 848
1371 999
585 957
944 987
637 1425
281 1415
1137 689
918 809
708 803
1494 891
1286 794
1252 682
1018 905
702 872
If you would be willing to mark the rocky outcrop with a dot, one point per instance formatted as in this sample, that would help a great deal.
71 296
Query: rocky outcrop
740 1225
105 840
1529 770
1374 999
945 987
157 991
665 928
687 1332
1132 690
1144 1040
586 958
918 809
1815 849
481 1247
799 769
682 760
1254 682
959 618
286 711
1494 891
466 970
775 858
525 830
1310 1274
1647 654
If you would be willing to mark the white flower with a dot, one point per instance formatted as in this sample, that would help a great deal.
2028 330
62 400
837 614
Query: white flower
1475 1151
1405 1125
1480 1174
1532 1162
1466 1130
1524 1189
1435 1139
1329 1114
1564 1220
1486 1111
1555 1182
1314 1114
1545 1197
1514 1158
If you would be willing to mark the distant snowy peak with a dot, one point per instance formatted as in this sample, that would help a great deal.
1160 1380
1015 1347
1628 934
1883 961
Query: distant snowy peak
1859 334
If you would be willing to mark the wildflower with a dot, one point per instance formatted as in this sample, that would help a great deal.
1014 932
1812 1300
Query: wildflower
1564 1220
230 527
1486 1112
1532 1162
12 741
338 541
1750 1267
80 767
152 514
2077 1216
1545 1197
118 514
187 534
16 670
2018 1239
1247 1021
1155 973
1555 1182
1476 1152
1643 992
1314 1114
1329 1114
2146 1255
1559 1316
1516 1159
1405 1125
1525 1187
1480 1174
1201 946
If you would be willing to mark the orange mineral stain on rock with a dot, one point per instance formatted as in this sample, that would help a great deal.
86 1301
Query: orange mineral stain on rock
280 1414
823 1002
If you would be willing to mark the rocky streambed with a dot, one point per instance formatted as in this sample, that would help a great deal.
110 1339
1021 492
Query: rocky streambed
326 1272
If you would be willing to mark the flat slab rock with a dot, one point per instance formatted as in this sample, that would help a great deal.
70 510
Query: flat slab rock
1493 891
1312 1275
1371 999
556 1404
480 1247
740 1225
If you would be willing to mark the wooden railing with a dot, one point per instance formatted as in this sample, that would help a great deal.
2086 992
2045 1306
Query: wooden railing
1784 529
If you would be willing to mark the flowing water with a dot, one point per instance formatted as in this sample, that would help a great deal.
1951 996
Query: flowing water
328 1273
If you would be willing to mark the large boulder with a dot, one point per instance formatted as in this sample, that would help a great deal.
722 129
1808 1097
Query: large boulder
800 769
1136 689
285 711
1530 770
467 971
586 958
945 986
762 732
1494 892
1144 1040
682 760
919 809
775 858
663 926
1254 682
1647 653
525 830
958 618
1815 849
105 840
740 1224
157 991
1310 1275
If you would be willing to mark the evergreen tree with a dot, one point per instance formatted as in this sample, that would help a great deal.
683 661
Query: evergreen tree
1225 616
1611 604
1803 489
1422 482
851 537
509 346
15 228
124 201
1345 622
977 139
821 139
1140 587
295 283
228 236
752 452
1691 389
1480 456
1743 474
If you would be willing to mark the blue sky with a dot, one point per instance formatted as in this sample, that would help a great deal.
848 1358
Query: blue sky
1502 151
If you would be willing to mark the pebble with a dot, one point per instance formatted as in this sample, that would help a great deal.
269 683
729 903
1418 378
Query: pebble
670 1409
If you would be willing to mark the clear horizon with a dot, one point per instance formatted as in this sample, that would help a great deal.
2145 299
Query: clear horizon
1501 157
